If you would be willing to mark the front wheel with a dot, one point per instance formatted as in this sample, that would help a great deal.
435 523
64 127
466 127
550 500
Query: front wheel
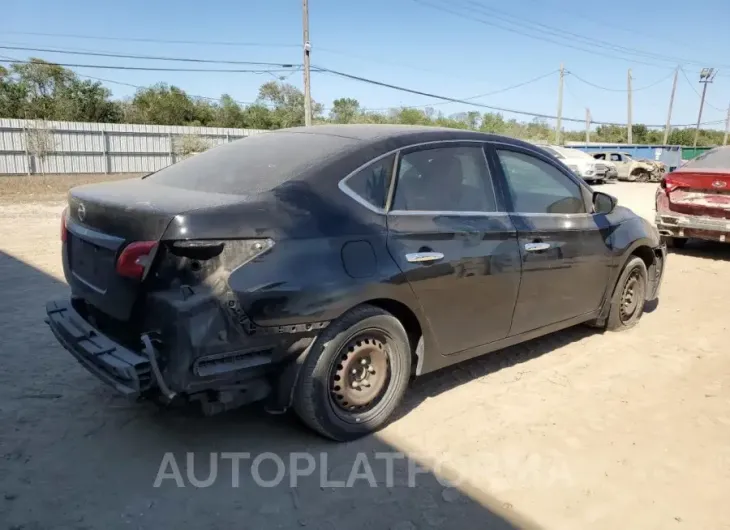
627 303
355 375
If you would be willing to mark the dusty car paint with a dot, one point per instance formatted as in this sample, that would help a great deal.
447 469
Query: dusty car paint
228 321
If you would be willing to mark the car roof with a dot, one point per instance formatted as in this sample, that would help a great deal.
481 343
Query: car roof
366 132
318 154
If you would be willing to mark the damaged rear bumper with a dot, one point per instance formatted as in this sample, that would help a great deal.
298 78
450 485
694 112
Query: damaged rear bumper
709 228
258 368
127 371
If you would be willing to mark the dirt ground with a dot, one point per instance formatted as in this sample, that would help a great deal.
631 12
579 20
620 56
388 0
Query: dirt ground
580 429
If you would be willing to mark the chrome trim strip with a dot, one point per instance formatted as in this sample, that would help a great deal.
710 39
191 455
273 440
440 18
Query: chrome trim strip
342 184
495 143
448 212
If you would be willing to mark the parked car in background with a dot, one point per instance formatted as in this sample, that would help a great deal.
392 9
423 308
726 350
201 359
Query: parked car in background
693 201
631 169
579 162
320 268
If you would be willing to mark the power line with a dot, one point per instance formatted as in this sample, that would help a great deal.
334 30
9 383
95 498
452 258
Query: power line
143 57
161 41
138 87
560 34
691 85
481 105
158 68
471 98
356 78
620 89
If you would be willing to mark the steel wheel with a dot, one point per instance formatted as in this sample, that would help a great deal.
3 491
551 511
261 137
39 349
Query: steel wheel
632 295
361 374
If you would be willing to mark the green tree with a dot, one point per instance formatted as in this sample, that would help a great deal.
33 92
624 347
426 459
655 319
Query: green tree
344 110
46 91
162 104
287 103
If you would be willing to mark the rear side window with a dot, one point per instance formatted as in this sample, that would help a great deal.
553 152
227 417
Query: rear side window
445 179
615 157
539 187
371 184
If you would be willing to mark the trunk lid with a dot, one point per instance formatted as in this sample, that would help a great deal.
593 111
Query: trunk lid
103 219
704 192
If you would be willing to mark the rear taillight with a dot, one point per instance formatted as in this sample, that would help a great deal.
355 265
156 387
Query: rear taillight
64 228
136 258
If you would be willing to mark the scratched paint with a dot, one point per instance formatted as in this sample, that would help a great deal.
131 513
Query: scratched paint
705 200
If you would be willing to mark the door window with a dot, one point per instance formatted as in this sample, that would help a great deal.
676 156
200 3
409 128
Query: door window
446 179
539 187
600 156
371 183
615 157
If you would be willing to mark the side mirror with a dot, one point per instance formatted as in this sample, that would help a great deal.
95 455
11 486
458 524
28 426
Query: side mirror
603 203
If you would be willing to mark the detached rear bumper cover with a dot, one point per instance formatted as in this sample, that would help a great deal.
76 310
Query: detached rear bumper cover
125 370
716 229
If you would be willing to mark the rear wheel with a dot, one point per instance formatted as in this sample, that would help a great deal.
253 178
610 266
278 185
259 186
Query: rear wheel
627 303
355 375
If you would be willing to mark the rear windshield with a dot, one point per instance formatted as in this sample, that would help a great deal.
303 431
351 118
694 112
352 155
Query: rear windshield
254 164
718 158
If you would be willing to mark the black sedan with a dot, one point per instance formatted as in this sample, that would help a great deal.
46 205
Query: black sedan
322 268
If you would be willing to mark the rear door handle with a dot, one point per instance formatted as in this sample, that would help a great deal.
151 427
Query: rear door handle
424 257
536 247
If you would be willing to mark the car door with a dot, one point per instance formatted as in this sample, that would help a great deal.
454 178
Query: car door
565 256
622 165
455 243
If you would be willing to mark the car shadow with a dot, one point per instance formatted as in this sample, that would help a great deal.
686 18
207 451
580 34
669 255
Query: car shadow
435 383
696 248
77 455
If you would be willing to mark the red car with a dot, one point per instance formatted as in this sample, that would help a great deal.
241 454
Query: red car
694 200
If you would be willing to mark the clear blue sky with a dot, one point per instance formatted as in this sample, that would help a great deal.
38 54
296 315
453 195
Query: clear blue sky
406 43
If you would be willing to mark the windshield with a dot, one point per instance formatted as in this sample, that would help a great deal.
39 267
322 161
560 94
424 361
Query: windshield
717 158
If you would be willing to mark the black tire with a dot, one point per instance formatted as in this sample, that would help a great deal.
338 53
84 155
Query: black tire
675 242
317 403
623 314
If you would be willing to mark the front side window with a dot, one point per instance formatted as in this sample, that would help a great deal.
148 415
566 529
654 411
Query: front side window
539 187
600 156
371 183
445 179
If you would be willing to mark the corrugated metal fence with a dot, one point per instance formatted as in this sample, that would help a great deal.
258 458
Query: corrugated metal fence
30 147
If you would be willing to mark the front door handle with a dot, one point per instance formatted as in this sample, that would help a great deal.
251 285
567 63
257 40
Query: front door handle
536 247
424 257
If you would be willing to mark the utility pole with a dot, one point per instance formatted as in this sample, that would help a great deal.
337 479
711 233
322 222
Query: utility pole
588 125
629 130
707 75
558 131
671 104
307 49
727 126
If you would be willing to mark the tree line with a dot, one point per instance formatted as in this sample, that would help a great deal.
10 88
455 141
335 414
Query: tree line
45 91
